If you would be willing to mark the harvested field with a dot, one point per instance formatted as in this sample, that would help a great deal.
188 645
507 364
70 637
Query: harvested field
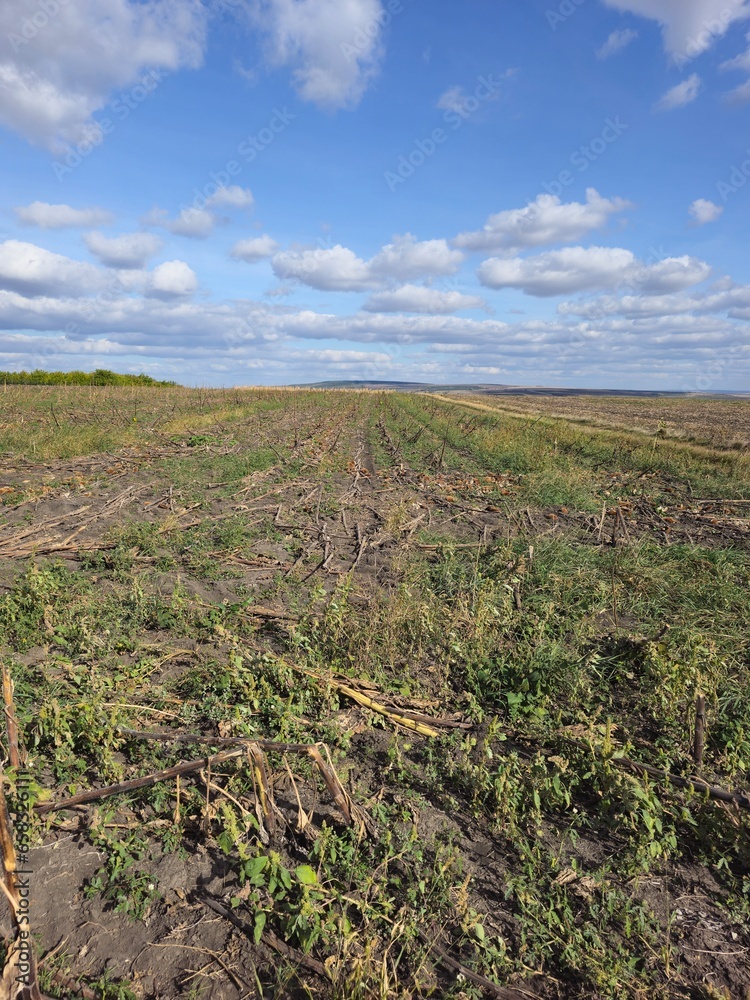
363 694
720 423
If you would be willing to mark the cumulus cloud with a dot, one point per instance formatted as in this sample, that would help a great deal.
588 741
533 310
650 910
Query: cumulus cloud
339 269
652 320
233 197
336 269
704 211
689 27
177 335
453 99
407 257
195 223
254 249
31 270
543 222
40 213
578 269
684 93
333 46
740 95
130 250
741 62
617 41
346 359
673 274
172 280
419 299
733 300
60 63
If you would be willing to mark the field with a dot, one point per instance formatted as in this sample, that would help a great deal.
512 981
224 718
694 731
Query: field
721 423
428 697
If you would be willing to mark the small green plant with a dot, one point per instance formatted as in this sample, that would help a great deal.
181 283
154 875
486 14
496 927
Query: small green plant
120 880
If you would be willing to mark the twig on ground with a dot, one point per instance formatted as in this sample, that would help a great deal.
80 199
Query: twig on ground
442 956
269 938
94 794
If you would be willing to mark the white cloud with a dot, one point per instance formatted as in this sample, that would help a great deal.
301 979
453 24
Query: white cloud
741 94
406 257
578 269
46 216
454 99
255 249
741 62
327 268
32 271
195 223
654 322
130 250
374 328
684 93
198 340
543 222
60 62
419 299
617 41
172 279
333 46
704 211
339 269
689 27
345 358
673 274
233 197
733 300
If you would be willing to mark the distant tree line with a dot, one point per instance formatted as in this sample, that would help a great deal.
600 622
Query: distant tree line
99 377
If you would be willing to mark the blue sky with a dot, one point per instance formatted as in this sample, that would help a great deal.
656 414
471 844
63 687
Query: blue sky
275 191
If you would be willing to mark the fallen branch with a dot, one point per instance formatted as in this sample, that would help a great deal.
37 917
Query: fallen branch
254 749
442 956
94 794
691 784
269 938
